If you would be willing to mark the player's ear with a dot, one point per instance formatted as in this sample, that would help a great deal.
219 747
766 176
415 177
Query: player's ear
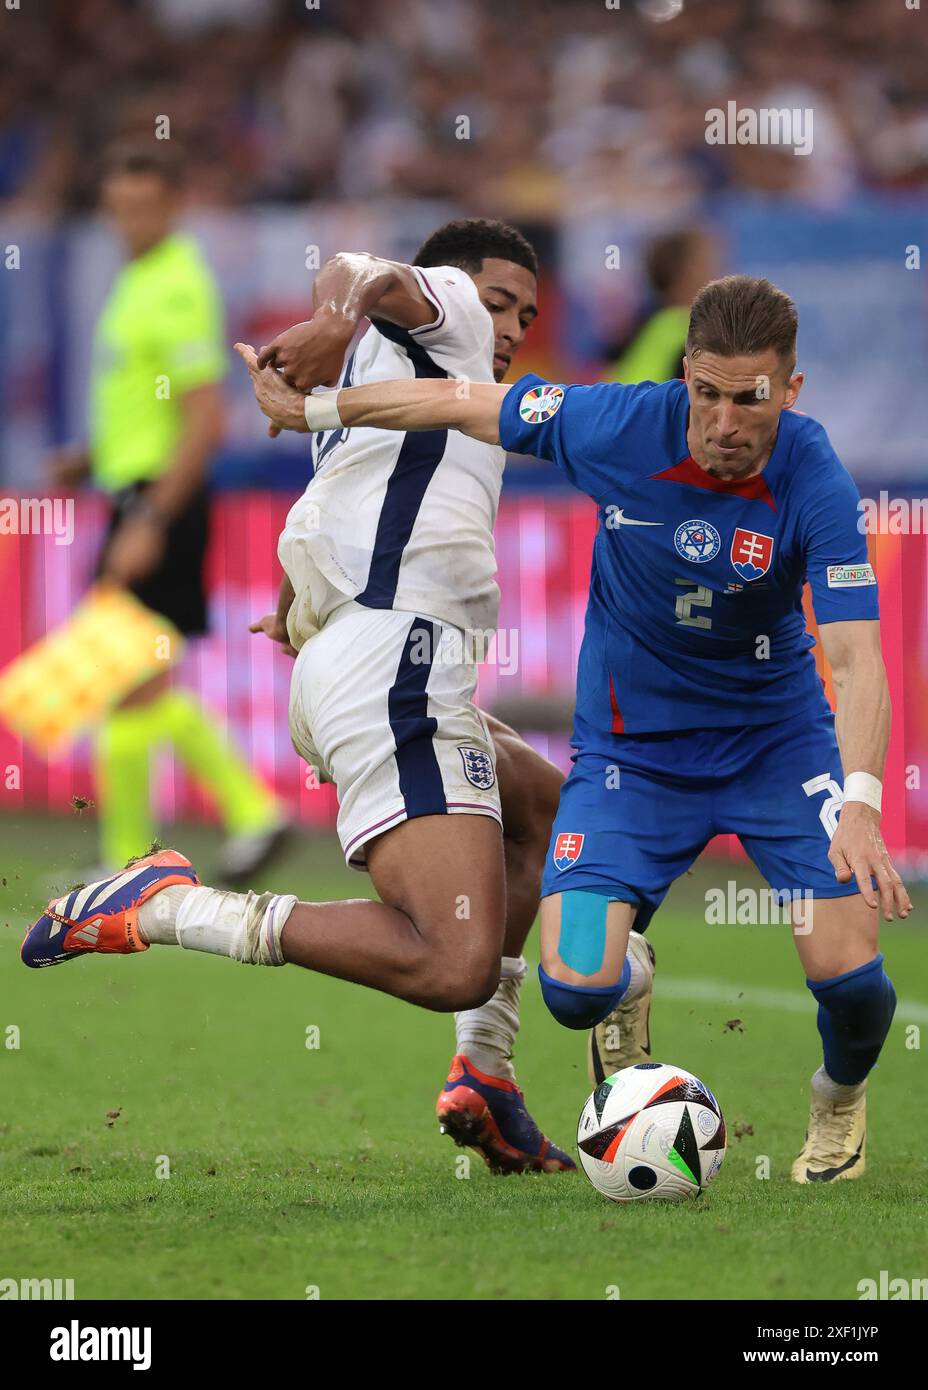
793 389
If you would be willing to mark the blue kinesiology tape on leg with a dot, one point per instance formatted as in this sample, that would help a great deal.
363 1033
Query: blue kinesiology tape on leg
854 1013
582 942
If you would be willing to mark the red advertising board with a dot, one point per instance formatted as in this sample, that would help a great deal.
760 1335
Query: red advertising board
543 551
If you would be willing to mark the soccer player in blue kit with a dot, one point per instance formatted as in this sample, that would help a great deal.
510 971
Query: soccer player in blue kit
699 708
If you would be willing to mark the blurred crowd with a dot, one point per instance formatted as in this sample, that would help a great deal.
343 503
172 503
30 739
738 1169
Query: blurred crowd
518 108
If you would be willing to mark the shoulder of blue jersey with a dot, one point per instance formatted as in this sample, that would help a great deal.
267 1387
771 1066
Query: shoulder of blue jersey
815 464
537 399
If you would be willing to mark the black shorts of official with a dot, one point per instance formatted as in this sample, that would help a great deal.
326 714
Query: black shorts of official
175 588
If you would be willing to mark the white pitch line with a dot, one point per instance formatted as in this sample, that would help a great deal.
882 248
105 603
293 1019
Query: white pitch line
787 1001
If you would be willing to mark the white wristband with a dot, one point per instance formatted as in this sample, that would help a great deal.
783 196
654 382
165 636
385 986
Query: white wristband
321 412
862 786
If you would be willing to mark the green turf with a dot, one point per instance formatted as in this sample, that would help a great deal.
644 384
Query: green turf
293 1167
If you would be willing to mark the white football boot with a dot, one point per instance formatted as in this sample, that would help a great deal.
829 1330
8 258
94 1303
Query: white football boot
836 1140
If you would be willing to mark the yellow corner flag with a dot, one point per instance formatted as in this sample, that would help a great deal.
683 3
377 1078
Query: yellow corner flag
69 680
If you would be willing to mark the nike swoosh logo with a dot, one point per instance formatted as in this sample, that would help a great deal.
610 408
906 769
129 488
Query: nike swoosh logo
829 1174
618 518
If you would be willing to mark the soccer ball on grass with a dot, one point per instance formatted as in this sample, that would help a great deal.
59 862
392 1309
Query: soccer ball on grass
651 1131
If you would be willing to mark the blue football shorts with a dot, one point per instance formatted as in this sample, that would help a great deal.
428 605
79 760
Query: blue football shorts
633 819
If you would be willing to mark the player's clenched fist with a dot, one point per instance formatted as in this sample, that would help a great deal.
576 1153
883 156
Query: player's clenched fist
282 404
311 353
858 852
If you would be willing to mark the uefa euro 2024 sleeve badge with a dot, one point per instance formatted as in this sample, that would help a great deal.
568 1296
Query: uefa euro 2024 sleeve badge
540 403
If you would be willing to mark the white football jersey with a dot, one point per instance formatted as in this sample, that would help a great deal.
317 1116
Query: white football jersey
397 520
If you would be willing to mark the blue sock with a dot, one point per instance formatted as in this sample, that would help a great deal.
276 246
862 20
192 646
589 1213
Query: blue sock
582 1006
854 1013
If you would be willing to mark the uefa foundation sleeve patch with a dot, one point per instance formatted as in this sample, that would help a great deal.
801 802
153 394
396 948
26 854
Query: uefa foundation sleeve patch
540 403
850 576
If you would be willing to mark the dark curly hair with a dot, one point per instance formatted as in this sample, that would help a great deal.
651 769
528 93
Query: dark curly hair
469 241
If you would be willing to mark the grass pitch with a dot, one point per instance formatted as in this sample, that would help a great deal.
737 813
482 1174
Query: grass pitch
294 1168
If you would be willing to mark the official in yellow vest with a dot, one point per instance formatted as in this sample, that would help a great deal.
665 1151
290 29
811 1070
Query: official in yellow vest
155 420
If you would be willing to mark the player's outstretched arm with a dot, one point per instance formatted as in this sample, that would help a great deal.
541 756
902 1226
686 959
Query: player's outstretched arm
862 721
471 407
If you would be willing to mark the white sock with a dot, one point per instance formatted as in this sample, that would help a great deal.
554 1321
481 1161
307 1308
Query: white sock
638 981
486 1035
835 1090
244 926
158 917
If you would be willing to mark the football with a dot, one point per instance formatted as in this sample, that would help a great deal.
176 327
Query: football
651 1131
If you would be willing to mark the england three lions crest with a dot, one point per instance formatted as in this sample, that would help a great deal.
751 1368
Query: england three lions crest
751 553
478 768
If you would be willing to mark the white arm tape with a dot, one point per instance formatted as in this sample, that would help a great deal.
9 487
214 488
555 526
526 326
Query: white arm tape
321 412
862 786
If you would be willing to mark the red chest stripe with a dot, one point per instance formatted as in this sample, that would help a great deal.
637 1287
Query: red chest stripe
690 472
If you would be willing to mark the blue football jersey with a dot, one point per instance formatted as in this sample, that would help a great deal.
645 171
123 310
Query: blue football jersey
695 615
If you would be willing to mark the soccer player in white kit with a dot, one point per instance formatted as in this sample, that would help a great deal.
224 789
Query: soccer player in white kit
389 599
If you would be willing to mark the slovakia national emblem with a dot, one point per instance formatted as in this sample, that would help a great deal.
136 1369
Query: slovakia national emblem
478 767
540 403
697 540
567 849
751 553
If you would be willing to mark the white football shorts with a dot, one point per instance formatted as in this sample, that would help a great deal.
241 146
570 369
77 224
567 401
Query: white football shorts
382 703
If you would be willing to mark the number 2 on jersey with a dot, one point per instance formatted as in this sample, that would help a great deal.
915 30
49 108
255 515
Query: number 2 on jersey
701 597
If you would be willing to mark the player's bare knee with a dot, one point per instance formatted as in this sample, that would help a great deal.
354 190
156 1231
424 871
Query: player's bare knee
468 970
458 987
451 973
468 994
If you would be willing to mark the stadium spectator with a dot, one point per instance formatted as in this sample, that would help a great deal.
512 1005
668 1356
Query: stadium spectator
280 101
